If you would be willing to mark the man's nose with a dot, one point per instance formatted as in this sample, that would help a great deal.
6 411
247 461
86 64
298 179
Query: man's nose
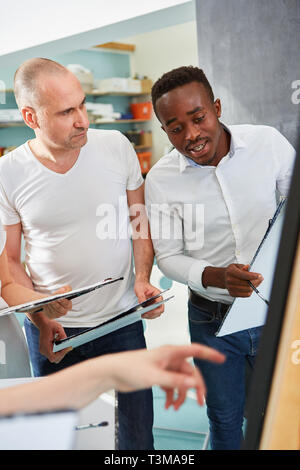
81 119
192 132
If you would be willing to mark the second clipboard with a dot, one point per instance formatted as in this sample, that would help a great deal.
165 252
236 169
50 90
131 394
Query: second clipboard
123 319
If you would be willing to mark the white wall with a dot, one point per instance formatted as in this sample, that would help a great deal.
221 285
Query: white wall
158 52
35 28
60 18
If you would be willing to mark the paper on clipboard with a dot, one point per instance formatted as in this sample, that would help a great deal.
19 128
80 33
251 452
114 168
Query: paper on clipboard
251 312
123 319
37 305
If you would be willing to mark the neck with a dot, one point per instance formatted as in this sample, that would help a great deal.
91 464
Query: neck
59 160
43 151
224 145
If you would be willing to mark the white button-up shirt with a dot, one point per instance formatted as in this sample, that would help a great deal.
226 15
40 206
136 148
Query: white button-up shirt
213 216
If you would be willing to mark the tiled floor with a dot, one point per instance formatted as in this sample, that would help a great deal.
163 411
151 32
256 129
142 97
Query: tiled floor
186 428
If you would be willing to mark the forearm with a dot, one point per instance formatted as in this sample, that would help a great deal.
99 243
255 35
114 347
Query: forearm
197 274
176 267
143 258
73 387
213 277
18 273
21 290
15 294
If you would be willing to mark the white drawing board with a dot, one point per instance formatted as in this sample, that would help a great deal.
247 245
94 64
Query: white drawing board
251 312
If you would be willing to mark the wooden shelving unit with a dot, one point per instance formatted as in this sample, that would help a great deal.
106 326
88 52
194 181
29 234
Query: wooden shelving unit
12 124
115 93
118 121
95 94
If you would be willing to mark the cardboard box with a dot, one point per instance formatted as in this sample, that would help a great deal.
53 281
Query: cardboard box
133 85
118 85
111 85
146 85
146 139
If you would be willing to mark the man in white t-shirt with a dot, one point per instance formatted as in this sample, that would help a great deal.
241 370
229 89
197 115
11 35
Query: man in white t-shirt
68 191
210 200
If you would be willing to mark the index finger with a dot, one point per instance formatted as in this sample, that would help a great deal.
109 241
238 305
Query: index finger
244 274
200 351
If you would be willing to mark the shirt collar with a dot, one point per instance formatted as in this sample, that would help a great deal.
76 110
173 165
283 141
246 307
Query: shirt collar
236 142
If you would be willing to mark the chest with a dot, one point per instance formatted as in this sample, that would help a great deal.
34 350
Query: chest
48 200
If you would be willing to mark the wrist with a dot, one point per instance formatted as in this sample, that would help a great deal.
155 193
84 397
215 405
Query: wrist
38 319
109 368
142 278
213 277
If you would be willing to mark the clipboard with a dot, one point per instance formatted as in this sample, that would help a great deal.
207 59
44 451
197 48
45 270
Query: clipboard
251 312
125 318
48 430
37 305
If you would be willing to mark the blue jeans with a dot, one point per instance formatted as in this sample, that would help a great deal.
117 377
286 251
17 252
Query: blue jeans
135 409
225 382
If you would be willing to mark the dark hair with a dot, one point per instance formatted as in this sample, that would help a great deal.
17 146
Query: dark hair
179 77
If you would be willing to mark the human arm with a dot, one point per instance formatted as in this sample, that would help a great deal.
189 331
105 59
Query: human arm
17 288
234 278
78 385
142 250
175 240
20 289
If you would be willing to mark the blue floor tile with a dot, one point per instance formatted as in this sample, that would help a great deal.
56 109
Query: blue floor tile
180 424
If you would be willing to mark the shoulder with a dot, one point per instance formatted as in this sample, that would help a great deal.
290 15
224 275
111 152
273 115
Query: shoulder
110 142
14 159
165 170
103 136
168 163
248 132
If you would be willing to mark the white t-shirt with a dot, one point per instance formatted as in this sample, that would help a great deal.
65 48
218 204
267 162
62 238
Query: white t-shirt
2 245
75 225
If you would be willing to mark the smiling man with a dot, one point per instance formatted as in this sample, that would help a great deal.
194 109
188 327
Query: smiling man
218 181
53 189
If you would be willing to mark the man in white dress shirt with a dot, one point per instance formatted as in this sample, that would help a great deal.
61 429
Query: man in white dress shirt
209 202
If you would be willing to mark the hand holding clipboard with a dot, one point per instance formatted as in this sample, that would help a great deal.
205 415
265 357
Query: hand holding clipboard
37 305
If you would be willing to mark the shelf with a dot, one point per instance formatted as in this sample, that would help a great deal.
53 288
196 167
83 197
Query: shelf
118 121
99 93
116 93
12 124
142 147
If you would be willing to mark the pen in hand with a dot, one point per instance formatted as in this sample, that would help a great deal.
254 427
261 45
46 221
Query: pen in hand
257 292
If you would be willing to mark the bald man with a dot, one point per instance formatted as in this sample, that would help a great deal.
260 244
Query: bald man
70 192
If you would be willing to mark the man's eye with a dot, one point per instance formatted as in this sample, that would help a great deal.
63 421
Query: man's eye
175 130
199 119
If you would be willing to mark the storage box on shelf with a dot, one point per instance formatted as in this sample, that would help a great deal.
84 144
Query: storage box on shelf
142 143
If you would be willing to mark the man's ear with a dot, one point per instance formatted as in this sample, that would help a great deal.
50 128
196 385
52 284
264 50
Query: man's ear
30 117
218 107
